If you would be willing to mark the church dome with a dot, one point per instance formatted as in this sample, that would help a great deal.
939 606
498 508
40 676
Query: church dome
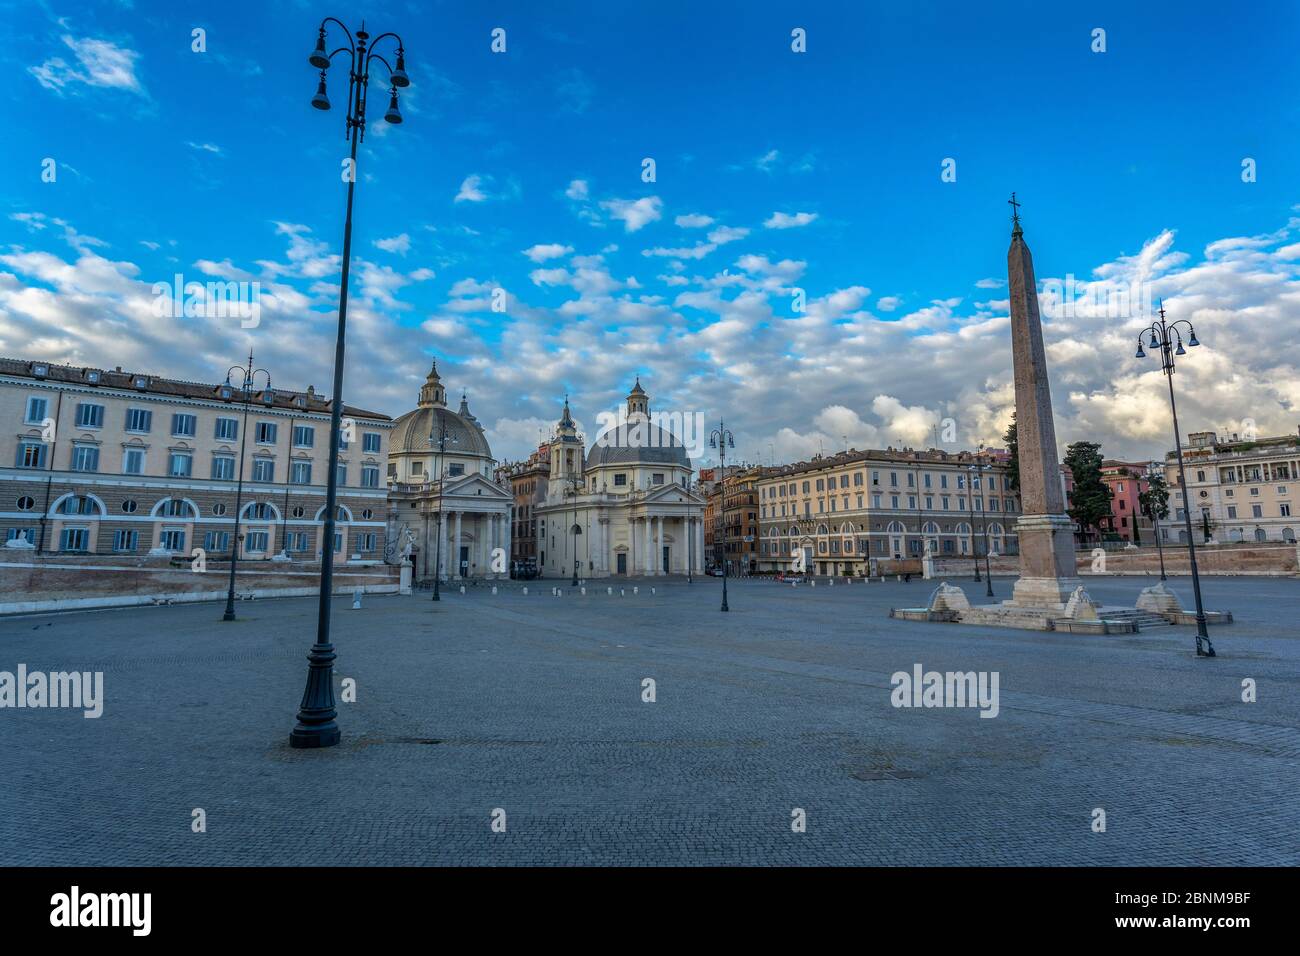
636 439
412 431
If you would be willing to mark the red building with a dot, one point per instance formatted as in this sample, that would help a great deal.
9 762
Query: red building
1126 480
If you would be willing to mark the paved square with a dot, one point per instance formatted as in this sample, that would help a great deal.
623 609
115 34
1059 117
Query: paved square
533 704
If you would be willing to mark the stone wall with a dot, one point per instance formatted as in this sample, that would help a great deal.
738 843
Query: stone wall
1273 559
30 582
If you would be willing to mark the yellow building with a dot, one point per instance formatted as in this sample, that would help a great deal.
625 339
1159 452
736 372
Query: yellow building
1246 488
843 511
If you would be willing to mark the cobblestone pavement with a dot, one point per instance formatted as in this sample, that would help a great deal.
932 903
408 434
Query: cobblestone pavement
533 704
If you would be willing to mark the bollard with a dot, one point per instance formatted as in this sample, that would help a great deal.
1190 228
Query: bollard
812 584
356 600
622 592
584 592
462 589
525 589
652 591
609 591
494 589
636 590
830 582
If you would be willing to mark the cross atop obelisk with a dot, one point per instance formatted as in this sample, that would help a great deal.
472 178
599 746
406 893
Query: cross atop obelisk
1048 573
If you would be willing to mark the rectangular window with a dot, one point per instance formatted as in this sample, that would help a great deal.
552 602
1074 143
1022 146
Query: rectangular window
73 539
31 454
454 470
216 542
85 458
620 481
304 436
139 420
341 476
266 433
656 479
36 410
367 541
943 502
227 429
223 467
184 425
369 476
875 501
172 539
256 542
263 469
27 534
90 416
300 473
1284 509
182 465
133 462
1256 511
370 443
298 541
125 540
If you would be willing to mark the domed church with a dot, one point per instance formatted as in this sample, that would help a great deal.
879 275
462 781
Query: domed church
623 507
442 502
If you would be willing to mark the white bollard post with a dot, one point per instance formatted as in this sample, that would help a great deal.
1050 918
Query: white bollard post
356 600
584 592
494 589
636 590
609 591
525 589
653 591
462 589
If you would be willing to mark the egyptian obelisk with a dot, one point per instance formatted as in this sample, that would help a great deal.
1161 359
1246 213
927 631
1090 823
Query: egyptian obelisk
1048 574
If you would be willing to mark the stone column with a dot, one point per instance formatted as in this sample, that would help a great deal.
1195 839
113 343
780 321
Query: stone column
699 545
1048 574
646 566
455 549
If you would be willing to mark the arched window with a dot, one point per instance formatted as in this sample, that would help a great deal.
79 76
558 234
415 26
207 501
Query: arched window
1288 535
1261 534
260 511
174 508
821 529
895 527
79 505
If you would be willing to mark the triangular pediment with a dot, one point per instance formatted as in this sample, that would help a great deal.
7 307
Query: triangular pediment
673 494
474 486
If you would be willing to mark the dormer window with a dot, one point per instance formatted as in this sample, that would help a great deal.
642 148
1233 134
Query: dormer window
226 392
92 376
40 370
141 382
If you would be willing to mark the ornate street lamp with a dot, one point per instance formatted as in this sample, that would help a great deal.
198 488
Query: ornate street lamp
1168 338
975 471
575 484
441 442
248 377
722 439
317 725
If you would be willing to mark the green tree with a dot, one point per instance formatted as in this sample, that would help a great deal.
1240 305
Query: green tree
1090 500
1013 447
1155 500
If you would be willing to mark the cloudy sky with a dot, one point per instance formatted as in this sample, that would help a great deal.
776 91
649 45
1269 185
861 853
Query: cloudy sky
867 176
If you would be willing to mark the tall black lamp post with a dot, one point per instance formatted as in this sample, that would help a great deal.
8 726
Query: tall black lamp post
440 442
722 439
317 725
248 378
575 483
1168 338
975 471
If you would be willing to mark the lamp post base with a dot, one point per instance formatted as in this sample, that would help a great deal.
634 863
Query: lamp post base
308 738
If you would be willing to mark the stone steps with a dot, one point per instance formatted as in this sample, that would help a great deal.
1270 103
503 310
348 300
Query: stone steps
1142 619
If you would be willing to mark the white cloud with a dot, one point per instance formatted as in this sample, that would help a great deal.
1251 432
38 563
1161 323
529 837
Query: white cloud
724 234
470 190
101 63
544 251
888 303
781 220
634 213
694 221
578 190
400 244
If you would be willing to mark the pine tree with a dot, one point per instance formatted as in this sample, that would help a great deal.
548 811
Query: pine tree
1013 447
1090 501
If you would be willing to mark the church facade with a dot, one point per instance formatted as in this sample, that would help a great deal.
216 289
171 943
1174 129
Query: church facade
623 507
444 507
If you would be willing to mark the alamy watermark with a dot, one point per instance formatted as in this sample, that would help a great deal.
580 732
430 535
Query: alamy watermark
923 688
1071 298
179 299
74 689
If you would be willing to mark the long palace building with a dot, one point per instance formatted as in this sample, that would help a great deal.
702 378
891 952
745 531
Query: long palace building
99 461
844 510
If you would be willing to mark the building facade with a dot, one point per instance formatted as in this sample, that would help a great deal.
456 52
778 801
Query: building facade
1240 490
527 483
444 505
841 512
131 463
624 507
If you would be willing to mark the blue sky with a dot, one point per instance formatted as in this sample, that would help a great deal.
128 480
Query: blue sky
774 171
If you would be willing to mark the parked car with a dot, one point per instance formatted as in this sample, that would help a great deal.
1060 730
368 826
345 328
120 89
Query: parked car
714 572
